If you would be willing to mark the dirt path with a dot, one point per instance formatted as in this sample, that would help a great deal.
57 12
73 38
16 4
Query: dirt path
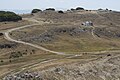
92 32
30 44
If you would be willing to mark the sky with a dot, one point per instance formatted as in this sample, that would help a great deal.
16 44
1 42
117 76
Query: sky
58 4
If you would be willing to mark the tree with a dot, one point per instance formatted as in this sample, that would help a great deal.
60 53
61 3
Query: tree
106 9
100 9
10 61
51 9
36 10
1 61
60 11
72 9
1 34
9 16
79 8
110 10
33 51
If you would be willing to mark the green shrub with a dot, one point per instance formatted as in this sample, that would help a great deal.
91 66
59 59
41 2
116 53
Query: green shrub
51 9
9 16
79 8
36 10
16 55
1 61
60 12
100 9
72 9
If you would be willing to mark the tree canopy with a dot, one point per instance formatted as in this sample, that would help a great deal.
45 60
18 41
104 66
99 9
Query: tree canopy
60 11
79 8
9 16
36 10
51 9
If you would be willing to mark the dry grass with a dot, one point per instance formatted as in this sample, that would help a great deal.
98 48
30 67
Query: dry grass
8 25
69 44
66 43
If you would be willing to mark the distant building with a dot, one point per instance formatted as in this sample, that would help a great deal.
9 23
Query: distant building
87 23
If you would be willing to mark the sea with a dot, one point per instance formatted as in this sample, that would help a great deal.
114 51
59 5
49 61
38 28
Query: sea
18 11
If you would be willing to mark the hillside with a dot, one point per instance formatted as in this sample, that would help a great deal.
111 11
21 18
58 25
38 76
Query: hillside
69 45
66 34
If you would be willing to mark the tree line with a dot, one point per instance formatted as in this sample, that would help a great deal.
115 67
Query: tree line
52 9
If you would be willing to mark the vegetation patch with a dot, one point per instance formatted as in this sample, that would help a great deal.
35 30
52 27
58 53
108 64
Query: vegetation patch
50 9
7 46
9 16
36 10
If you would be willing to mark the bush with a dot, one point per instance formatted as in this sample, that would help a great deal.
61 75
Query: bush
60 12
2 46
72 9
1 34
110 10
100 9
109 55
1 61
16 55
107 9
9 16
79 8
36 10
51 9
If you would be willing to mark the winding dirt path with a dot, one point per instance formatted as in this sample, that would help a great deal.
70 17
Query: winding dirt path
26 43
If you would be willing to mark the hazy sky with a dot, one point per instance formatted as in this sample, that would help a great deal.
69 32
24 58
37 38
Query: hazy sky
63 4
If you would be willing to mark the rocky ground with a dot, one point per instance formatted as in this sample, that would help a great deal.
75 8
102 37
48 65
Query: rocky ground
105 67
52 34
